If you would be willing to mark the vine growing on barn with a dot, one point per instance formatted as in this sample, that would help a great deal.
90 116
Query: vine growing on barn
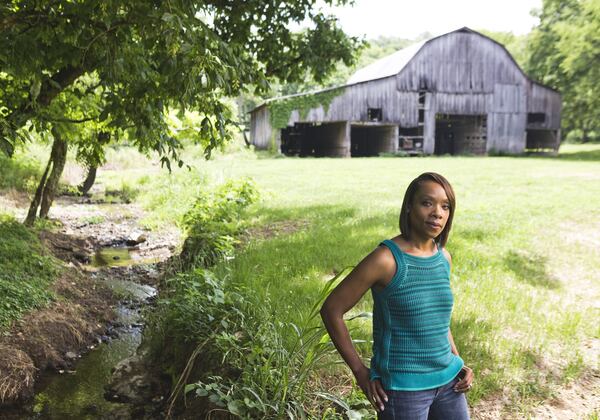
280 109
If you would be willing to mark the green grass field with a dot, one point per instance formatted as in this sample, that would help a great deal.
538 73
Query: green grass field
525 251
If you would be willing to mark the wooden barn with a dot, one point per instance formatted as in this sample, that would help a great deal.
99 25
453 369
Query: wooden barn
458 93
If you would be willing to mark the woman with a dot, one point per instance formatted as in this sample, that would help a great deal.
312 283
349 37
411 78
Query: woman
415 372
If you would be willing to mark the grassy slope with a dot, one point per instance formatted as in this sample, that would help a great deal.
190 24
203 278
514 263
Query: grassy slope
25 272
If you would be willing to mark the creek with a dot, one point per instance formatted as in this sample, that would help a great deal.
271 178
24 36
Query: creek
79 393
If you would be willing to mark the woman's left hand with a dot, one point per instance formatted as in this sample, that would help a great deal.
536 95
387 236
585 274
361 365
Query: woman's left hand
466 381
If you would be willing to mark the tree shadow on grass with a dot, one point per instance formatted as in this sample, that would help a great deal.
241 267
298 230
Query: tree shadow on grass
476 340
531 269
587 155
470 235
583 156
292 266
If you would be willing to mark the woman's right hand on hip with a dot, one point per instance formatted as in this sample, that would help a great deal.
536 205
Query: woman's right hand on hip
372 388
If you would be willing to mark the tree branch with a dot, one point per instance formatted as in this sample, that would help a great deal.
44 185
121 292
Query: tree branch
63 78
70 120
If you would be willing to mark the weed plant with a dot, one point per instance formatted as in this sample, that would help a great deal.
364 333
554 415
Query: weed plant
245 361
169 196
265 376
125 194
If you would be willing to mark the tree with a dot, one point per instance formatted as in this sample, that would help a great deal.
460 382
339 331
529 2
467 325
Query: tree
565 54
72 68
515 44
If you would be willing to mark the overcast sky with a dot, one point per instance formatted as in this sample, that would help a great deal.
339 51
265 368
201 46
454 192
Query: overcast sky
408 19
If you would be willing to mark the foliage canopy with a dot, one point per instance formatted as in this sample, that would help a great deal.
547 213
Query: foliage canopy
119 66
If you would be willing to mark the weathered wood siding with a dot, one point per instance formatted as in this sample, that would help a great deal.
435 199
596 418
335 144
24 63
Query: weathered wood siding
547 101
507 118
261 131
355 100
506 132
460 62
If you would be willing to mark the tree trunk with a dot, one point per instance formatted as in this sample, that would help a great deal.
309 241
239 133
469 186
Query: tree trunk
59 158
89 180
246 139
586 136
31 214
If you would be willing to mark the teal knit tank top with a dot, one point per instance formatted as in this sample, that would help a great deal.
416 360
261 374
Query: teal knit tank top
411 319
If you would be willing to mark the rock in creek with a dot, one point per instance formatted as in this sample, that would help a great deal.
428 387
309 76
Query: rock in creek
132 382
135 239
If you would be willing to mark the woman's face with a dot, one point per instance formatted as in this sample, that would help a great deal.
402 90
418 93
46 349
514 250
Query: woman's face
429 211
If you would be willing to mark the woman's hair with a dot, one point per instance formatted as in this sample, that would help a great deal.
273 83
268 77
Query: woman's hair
409 197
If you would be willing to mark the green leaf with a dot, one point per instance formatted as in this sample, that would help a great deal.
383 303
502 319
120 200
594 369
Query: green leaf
201 392
236 407
34 90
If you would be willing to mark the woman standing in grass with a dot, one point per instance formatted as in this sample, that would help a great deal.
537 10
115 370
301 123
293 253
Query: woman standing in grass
416 372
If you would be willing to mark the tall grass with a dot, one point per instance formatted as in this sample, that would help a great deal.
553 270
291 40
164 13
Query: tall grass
245 361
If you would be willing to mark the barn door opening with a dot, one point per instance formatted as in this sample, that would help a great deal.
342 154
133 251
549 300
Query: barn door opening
371 140
315 139
542 140
460 134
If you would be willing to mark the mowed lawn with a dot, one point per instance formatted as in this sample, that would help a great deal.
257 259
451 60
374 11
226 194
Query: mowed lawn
525 246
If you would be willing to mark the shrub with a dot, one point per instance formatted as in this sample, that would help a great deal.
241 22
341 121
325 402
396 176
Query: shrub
239 357
126 194
213 221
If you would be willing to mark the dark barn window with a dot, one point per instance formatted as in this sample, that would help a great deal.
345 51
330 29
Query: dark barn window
374 114
536 117
421 98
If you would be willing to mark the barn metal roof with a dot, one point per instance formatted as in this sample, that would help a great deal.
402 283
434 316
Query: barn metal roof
386 66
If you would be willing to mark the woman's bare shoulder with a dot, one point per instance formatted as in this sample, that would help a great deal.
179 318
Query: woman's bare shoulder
381 261
447 255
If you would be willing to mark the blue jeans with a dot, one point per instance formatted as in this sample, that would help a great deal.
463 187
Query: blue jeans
440 403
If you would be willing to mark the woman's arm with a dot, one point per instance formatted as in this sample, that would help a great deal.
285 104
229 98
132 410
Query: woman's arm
452 345
376 267
466 374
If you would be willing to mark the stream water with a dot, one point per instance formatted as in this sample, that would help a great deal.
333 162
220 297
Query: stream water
79 394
